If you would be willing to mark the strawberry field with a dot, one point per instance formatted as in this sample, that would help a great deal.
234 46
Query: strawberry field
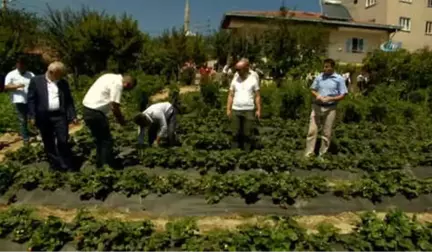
379 160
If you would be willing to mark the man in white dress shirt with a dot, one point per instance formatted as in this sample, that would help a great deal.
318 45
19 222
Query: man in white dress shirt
244 105
17 82
102 97
51 107
161 119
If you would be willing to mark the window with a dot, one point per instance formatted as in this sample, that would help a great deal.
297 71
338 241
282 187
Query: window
355 1
428 28
355 45
430 3
370 3
405 23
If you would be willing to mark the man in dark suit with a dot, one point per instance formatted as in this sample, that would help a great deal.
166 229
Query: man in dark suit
51 107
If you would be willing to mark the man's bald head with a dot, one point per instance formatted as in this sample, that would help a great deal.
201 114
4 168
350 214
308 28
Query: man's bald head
245 60
129 82
242 67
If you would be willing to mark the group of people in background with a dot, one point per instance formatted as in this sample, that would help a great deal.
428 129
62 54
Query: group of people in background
46 101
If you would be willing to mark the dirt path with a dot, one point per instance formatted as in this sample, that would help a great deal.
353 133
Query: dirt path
15 143
165 93
345 222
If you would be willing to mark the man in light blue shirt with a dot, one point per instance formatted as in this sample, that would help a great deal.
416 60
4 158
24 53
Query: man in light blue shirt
327 89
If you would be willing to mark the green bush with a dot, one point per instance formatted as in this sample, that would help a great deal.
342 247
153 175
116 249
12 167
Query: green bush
269 98
294 100
147 85
9 119
401 66
352 110
187 76
210 94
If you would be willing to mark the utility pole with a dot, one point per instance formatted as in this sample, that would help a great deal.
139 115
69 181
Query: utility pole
4 5
208 27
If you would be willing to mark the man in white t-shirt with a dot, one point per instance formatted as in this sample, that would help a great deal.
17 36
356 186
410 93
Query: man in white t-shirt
105 95
161 120
17 83
244 105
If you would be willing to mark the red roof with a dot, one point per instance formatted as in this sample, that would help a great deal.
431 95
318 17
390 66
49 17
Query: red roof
297 14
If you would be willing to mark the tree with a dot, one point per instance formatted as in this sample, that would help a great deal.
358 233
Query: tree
220 46
92 42
18 30
290 45
246 42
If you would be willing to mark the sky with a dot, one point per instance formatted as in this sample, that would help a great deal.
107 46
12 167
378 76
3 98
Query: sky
154 16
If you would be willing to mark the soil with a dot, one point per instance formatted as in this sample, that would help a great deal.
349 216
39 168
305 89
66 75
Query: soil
15 142
345 221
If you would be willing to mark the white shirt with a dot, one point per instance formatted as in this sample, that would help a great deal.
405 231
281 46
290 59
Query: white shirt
106 89
159 113
244 92
347 77
361 77
227 69
53 95
15 77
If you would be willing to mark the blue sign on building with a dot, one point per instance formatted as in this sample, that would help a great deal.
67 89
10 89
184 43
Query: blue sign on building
390 46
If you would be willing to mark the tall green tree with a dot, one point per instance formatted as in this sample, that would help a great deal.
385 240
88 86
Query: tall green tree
289 45
220 46
18 32
91 42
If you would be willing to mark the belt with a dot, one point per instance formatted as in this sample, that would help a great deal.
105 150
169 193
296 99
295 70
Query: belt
55 112
326 105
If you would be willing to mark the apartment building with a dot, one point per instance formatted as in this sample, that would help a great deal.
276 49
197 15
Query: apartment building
349 41
414 16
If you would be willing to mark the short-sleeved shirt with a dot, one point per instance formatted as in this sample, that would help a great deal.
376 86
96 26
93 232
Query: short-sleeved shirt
15 78
244 92
106 89
329 85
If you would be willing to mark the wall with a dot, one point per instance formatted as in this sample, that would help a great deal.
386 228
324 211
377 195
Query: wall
419 14
337 39
338 43
376 13
389 12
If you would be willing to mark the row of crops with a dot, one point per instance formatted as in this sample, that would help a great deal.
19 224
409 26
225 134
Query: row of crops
384 156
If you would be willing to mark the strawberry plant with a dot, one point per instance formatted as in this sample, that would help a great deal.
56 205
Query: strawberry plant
282 187
51 235
395 232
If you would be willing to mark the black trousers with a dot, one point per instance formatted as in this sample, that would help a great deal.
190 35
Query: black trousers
98 124
54 130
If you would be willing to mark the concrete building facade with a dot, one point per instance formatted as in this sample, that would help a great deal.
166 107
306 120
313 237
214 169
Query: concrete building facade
414 17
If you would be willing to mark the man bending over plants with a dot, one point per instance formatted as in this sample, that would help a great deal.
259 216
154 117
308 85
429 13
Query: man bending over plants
328 89
160 117
244 105
104 95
